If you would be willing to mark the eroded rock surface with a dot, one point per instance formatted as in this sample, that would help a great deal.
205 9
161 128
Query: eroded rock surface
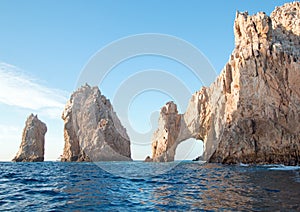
163 148
92 130
33 141
251 113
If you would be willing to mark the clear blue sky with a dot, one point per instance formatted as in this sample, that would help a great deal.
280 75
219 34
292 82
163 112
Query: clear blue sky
45 44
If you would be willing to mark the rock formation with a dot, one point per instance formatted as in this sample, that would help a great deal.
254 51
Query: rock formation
33 141
148 159
251 113
92 130
165 138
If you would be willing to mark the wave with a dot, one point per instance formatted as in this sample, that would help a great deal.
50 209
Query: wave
284 168
244 164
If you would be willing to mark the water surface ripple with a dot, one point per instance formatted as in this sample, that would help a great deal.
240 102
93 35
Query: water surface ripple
190 186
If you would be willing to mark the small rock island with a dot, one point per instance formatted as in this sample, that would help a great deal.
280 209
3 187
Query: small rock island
32 147
92 130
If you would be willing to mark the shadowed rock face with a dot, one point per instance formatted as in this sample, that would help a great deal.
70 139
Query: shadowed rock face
33 141
92 130
251 113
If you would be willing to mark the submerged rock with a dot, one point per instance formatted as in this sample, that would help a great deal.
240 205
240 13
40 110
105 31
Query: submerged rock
199 158
148 159
33 141
92 130
251 113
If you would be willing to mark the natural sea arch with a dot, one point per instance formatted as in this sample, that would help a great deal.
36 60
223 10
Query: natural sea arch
189 149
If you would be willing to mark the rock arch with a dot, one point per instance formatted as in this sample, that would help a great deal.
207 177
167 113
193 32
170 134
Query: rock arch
175 128
251 113
190 149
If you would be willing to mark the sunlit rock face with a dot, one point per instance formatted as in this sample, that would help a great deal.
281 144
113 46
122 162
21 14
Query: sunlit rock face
165 138
32 147
251 113
92 130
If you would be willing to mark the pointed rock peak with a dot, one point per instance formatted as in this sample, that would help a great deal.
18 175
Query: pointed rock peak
33 141
32 116
170 107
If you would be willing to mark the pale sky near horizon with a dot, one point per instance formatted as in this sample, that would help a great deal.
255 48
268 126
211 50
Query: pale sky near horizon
44 46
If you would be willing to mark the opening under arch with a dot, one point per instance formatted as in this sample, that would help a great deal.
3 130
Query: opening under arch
189 149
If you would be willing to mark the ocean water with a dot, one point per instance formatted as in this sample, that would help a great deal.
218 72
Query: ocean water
138 186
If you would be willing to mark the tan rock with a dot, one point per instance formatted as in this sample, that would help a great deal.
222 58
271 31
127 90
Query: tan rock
33 141
251 113
92 129
163 148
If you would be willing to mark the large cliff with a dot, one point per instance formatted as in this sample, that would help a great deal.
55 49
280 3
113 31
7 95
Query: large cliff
92 130
251 113
33 141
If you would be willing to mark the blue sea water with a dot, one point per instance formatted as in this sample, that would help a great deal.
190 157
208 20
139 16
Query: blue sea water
186 186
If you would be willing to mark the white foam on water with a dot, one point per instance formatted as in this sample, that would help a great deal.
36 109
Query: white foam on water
284 168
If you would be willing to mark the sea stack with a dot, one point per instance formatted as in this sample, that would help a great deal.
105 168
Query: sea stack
164 144
32 147
251 113
92 130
